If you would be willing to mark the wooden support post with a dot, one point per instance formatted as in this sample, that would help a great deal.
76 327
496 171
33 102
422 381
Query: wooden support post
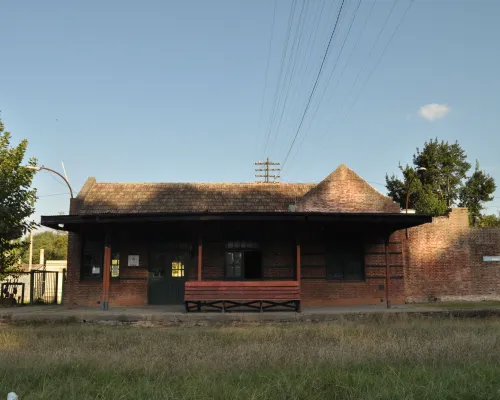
57 287
200 259
387 274
298 273
32 287
106 275
298 264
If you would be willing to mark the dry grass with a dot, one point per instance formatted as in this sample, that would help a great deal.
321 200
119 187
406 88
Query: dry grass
408 359
462 305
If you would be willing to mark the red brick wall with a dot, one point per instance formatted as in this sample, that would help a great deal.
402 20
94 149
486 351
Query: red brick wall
371 290
445 260
213 261
441 260
71 286
278 261
129 290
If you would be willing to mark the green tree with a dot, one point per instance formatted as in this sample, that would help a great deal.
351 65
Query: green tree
446 166
17 200
398 189
428 202
443 182
422 197
478 188
55 245
488 221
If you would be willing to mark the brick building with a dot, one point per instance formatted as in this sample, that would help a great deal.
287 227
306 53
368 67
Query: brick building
222 245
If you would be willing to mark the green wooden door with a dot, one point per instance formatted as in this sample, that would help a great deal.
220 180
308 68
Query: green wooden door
166 277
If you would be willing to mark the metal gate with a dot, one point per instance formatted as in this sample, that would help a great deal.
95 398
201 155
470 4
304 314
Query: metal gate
13 293
34 287
44 285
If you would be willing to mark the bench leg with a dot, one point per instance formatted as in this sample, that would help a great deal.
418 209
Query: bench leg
198 306
261 310
223 306
297 306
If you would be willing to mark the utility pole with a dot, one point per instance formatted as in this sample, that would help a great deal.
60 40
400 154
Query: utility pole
269 173
31 250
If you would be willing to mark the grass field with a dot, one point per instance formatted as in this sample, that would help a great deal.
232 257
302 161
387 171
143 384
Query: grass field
407 358
461 305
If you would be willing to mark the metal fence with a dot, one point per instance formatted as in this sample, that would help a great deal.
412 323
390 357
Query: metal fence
34 287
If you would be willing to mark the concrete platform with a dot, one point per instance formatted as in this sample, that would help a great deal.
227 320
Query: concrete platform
175 315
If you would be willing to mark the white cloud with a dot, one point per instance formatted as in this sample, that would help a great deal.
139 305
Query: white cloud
433 111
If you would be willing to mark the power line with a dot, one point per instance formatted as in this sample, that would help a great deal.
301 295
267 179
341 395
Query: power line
366 60
337 59
353 50
283 54
290 72
328 80
51 195
315 83
280 74
365 63
267 68
381 55
301 72
56 179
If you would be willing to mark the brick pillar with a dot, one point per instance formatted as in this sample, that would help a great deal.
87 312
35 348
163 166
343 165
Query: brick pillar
200 260
74 259
73 268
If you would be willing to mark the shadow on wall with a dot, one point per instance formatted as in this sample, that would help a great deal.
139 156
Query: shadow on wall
444 261
341 191
186 197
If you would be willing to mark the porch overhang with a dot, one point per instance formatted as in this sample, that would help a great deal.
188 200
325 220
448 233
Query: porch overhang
387 221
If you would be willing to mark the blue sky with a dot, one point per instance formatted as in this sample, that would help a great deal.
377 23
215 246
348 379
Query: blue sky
173 91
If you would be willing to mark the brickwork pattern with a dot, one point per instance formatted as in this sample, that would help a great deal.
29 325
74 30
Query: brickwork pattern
420 272
445 260
316 290
345 191
129 290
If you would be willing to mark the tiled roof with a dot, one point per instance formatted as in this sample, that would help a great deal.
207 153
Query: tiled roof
341 191
345 191
98 198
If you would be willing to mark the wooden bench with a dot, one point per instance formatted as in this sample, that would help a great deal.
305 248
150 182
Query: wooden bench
227 295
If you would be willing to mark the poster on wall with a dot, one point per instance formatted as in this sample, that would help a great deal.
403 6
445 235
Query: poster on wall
133 260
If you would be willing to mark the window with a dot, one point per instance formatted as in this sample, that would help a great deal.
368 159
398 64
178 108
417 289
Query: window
243 260
345 260
92 262
242 245
234 264
92 265
177 269
115 265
